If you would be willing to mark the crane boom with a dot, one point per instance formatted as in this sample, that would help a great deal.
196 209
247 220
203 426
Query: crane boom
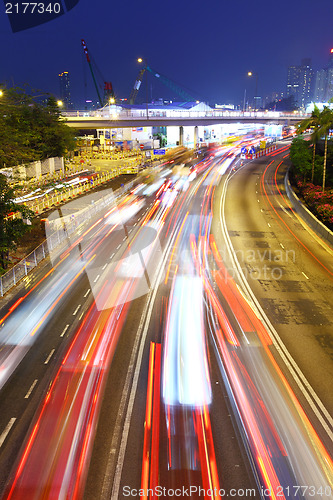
166 81
172 85
85 50
136 86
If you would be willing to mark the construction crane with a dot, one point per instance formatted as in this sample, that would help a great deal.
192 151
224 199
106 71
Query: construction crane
166 81
137 85
108 89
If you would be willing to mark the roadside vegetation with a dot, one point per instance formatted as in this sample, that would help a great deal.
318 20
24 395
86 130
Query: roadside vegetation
31 128
312 164
11 229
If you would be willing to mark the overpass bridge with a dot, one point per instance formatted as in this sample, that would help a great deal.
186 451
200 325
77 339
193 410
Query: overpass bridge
126 118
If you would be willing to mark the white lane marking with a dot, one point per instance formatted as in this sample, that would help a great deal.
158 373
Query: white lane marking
111 256
81 315
258 201
268 224
31 389
282 246
98 275
49 357
104 267
64 331
307 277
6 431
300 379
124 238
76 310
135 223
118 247
87 293
132 375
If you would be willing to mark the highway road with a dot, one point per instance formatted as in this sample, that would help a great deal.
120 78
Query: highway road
288 269
186 346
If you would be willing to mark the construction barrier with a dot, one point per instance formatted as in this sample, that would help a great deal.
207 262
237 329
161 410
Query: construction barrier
62 196
265 151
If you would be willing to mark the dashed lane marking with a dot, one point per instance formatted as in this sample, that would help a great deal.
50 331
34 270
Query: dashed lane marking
31 389
7 430
64 331
49 357
76 310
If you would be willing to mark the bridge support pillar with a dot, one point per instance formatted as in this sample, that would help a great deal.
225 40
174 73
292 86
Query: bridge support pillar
181 136
195 140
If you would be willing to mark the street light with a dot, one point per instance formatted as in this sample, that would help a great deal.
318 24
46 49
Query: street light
250 73
140 60
60 104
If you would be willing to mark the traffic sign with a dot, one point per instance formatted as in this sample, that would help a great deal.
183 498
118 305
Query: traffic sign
243 150
159 151
142 146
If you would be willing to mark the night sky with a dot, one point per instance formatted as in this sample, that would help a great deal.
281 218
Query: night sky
206 46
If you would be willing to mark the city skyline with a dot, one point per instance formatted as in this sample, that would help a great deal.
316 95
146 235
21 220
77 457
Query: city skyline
210 57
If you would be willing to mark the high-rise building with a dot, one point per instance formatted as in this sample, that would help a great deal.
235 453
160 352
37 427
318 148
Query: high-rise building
319 93
65 93
299 83
323 89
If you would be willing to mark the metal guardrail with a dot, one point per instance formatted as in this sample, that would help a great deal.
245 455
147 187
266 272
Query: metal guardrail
26 265
20 270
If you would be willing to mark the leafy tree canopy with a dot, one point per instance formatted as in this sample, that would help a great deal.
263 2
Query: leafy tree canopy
31 129
11 230
300 155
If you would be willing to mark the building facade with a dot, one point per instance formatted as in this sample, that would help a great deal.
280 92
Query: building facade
323 90
65 94
300 83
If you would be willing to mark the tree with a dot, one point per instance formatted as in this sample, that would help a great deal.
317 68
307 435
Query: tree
321 122
326 123
314 123
11 230
31 131
300 156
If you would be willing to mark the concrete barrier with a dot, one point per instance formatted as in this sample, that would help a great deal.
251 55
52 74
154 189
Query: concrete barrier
306 215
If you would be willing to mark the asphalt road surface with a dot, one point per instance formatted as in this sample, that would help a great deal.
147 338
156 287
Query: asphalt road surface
181 343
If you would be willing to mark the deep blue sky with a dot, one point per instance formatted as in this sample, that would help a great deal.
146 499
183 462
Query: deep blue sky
208 46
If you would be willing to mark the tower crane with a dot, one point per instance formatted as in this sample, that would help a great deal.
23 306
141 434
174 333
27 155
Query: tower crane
108 89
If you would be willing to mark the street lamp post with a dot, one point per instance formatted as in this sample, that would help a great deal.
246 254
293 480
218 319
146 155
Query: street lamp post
140 60
250 73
